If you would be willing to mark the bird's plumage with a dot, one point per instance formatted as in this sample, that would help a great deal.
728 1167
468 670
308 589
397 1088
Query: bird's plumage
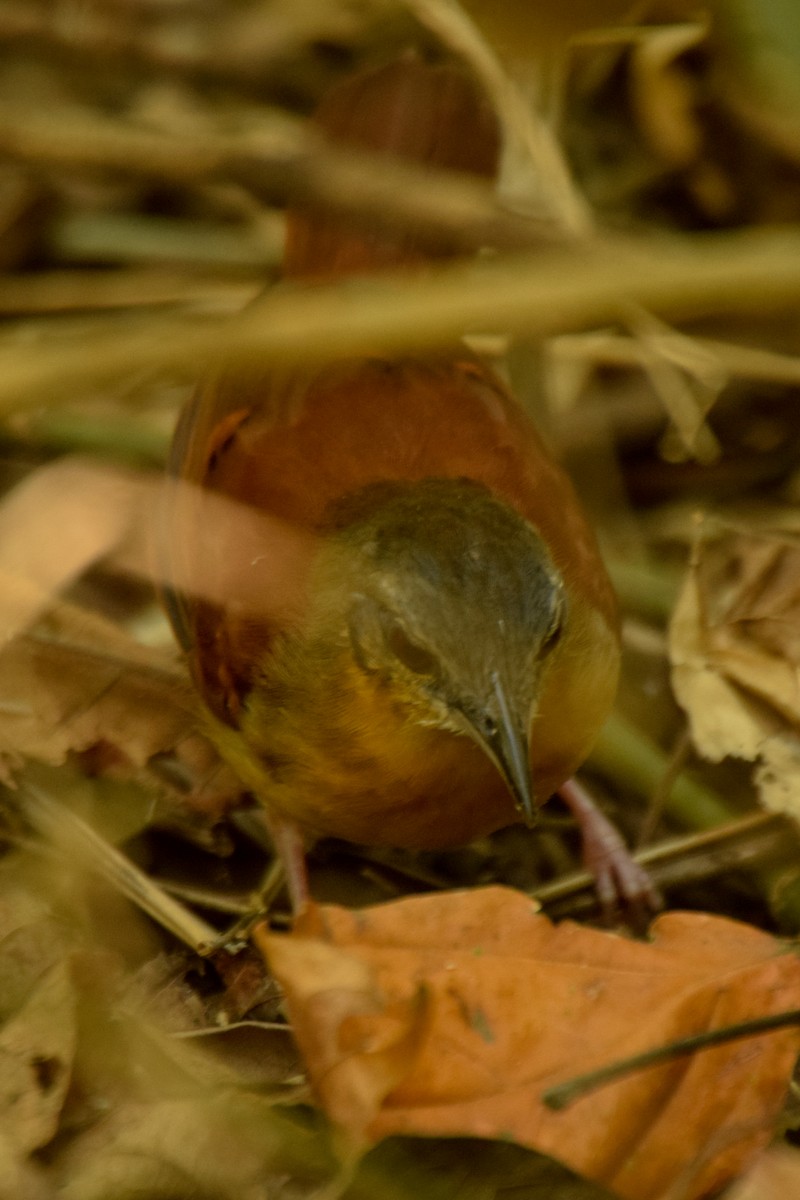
445 593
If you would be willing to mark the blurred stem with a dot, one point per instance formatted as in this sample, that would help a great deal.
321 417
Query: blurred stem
96 290
126 238
123 435
645 588
534 293
628 756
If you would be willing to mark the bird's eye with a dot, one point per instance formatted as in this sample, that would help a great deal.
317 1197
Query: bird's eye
409 653
552 637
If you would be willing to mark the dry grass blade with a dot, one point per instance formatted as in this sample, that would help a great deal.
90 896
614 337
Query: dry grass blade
72 837
536 294
281 163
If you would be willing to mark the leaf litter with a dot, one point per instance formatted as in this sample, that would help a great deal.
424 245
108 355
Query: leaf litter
670 126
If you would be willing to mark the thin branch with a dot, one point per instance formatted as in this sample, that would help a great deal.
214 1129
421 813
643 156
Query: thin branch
758 838
70 834
563 1094
286 162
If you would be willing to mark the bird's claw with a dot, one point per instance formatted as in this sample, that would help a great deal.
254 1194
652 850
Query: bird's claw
621 883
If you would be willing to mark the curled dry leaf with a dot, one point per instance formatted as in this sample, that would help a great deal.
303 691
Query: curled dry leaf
735 652
452 1014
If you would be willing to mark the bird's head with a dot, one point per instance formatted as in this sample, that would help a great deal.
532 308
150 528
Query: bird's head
449 598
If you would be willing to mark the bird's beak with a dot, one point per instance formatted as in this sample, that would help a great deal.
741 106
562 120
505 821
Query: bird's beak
508 747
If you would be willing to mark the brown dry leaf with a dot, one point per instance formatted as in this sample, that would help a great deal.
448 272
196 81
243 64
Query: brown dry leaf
61 694
20 1180
96 1099
735 655
58 696
452 1014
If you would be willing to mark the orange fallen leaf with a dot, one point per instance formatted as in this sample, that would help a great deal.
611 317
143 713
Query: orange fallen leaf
452 1014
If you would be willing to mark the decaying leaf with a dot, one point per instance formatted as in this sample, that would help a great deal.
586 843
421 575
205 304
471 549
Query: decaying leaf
58 696
452 1014
89 1077
735 654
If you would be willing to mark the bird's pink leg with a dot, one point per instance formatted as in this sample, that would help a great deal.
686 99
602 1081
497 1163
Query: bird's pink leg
290 848
619 880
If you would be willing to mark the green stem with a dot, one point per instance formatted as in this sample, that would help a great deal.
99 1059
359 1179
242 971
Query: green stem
645 588
633 760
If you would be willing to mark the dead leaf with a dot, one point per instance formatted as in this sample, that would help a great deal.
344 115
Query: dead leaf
84 687
464 1008
73 682
30 942
57 697
735 656
20 1180
36 1055
112 1101
173 1147
78 680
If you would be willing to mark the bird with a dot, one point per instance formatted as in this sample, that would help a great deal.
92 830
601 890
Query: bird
403 633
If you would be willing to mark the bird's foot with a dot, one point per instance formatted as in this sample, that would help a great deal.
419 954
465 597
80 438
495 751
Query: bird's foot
290 852
620 882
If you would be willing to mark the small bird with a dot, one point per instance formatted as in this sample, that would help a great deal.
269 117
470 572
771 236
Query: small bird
407 637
